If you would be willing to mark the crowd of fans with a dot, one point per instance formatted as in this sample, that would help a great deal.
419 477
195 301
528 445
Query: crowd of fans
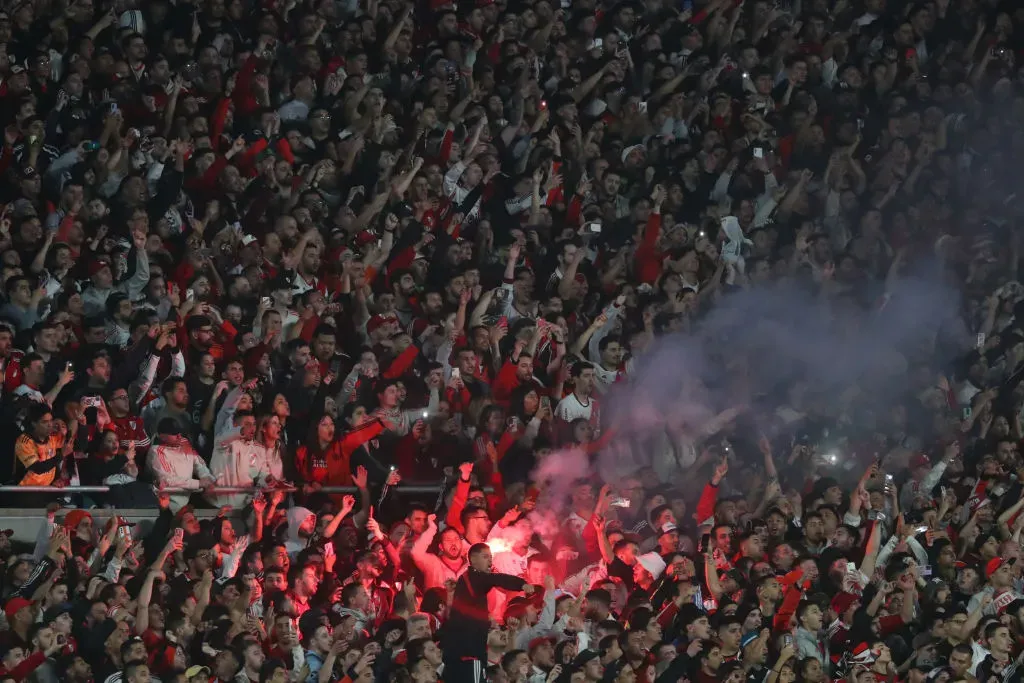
256 256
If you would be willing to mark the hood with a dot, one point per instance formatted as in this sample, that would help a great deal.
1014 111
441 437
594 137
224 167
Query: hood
296 516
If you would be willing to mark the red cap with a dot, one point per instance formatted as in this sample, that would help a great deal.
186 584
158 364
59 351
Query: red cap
919 460
376 321
994 564
339 253
842 601
862 654
74 518
14 605
97 266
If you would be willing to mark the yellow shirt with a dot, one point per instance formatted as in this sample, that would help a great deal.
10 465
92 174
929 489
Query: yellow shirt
29 452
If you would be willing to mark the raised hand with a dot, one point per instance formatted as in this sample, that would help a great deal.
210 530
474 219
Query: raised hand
374 528
347 503
360 477
721 470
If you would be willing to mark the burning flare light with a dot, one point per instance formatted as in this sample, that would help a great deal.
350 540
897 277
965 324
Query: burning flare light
498 545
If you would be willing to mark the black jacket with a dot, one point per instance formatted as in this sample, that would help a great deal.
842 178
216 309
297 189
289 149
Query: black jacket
465 632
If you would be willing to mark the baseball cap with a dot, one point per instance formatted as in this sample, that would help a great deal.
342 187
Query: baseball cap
374 323
97 266
862 654
918 460
196 670
653 563
629 150
279 283
15 605
53 612
583 657
667 528
995 563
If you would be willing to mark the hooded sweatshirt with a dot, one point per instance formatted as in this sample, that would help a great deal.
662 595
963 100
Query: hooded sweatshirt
294 542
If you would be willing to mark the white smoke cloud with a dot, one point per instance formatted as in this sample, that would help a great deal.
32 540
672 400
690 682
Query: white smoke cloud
756 344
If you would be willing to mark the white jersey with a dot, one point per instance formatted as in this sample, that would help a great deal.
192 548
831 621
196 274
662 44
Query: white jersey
570 409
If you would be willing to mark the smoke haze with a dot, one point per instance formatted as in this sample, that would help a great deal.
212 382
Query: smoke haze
755 345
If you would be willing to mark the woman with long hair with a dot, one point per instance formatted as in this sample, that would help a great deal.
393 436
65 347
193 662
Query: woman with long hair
530 416
322 460
311 458
111 465
492 439
532 412
268 435
491 444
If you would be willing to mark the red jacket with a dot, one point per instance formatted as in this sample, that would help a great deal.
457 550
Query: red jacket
20 672
648 258
334 468
505 383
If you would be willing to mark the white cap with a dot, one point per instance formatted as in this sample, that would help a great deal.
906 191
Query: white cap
632 148
653 563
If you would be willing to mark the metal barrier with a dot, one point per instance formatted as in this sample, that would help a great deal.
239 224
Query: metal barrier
24 521
106 489
413 488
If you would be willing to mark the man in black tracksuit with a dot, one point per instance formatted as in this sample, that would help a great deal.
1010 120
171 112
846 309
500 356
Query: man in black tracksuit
464 638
